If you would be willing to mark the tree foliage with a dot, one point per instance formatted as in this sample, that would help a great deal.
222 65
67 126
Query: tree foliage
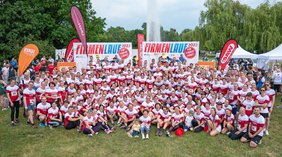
48 24
256 29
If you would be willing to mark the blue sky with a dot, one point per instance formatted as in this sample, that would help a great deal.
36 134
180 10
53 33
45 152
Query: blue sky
179 14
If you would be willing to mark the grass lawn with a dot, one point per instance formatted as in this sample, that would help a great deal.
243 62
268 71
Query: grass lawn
27 142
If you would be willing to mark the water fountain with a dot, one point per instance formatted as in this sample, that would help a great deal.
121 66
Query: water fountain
153 21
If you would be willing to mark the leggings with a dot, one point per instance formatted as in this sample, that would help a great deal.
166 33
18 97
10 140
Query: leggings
95 128
194 124
16 107
72 124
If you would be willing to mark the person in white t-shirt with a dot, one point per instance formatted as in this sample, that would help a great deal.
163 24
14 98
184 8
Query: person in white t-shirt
42 110
255 130
214 125
188 121
242 126
145 121
54 116
277 79
262 100
164 121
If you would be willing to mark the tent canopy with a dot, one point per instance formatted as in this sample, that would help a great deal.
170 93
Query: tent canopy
241 53
275 54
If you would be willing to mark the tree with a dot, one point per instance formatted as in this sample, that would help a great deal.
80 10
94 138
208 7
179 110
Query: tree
45 23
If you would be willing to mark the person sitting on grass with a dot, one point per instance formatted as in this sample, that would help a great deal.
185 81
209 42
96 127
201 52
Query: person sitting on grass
102 120
135 130
242 126
188 121
128 117
145 121
42 109
70 121
199 122
54 116
214 125
255 130
155 112
164 121
88 124
228 121
111 112
177 119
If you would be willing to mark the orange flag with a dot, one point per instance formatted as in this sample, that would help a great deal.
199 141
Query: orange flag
27 54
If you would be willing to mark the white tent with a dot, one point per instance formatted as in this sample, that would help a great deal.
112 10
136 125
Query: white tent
241 53
275 54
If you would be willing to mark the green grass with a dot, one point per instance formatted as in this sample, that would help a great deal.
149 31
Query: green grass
27 142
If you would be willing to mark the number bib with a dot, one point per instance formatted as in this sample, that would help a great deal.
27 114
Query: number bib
14 93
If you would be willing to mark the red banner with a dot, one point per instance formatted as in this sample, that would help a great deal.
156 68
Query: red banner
140 38
227 52
69 56
79 25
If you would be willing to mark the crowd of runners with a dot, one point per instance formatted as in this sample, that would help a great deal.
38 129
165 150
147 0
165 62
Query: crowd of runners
168 95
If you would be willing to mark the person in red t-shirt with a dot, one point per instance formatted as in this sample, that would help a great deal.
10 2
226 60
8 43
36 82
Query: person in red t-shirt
29 101
51 67
13 94
37 68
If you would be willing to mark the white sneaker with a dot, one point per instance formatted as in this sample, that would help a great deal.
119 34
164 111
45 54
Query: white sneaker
266 132
4 109
147 136
260 141
143 136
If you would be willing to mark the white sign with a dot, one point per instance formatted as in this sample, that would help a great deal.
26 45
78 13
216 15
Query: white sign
101 51
188 51
60 53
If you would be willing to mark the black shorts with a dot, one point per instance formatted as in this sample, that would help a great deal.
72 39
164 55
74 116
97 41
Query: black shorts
265 115
276 87
256 139
233 136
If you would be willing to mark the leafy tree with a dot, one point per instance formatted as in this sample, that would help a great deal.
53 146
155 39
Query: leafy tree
45 23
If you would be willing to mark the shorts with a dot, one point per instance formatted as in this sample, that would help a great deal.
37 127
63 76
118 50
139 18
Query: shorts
233 136
218 129
256 139
277 87
30 107
265 115
235 109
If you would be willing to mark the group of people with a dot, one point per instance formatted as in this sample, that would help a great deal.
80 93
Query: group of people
166 95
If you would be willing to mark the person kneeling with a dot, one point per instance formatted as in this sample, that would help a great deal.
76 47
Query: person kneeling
255 130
